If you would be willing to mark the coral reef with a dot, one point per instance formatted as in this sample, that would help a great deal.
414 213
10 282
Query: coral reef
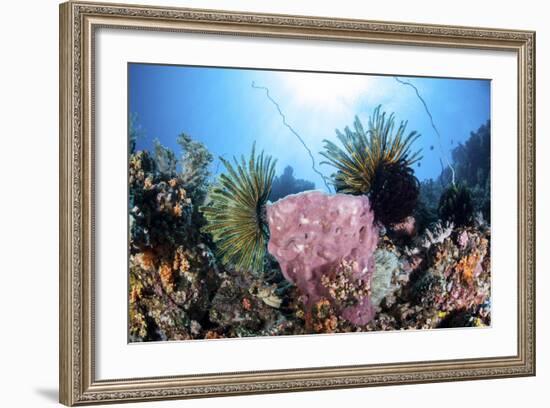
406 228
473 158
426 211
160 210
244 306
473 167
456 205
168 300
314 234
235 214
377 162
444 282
323 317
172 272
165 159
194 164
287 184
211 261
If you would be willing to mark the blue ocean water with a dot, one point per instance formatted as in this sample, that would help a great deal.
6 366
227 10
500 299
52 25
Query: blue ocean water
221 108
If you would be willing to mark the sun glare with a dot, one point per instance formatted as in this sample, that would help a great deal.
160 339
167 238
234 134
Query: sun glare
327 92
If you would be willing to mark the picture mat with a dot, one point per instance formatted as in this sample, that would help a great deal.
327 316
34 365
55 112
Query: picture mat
115 358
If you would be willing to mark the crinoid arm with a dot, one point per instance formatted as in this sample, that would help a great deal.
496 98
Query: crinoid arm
362 152
236 212
366 157
353 174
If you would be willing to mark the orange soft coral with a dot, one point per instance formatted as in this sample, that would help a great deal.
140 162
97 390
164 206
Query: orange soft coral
167 277
323 317
146 259
180 261
467 267
177 210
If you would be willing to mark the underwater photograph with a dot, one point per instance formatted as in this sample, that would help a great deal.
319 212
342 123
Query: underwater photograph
272 202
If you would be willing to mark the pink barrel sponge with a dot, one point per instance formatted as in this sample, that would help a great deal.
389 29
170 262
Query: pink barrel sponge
311 233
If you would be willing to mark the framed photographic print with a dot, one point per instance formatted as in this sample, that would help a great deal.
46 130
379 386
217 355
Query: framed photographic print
260 203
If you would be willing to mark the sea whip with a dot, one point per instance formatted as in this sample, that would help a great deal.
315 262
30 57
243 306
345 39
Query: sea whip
432 123
293 132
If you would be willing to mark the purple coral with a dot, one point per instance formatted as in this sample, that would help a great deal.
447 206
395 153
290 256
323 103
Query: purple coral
313 233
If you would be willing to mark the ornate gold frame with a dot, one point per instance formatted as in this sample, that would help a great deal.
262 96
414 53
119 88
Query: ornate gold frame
78 22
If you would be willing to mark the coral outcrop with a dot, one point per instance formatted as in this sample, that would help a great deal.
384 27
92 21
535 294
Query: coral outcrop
316 235
172 272
244 306
445 281
287 184
456 205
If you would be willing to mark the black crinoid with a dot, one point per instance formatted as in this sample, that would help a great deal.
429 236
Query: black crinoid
394 192
377 162
456 205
